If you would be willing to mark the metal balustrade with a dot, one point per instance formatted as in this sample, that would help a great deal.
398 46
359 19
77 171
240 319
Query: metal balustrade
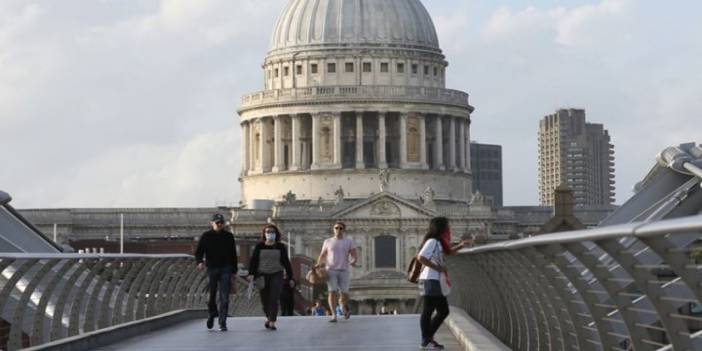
354 92
45 297
629 287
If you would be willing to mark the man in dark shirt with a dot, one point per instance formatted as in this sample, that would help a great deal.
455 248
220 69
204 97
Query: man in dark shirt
218 248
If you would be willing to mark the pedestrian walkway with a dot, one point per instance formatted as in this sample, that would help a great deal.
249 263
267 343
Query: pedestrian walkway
399 333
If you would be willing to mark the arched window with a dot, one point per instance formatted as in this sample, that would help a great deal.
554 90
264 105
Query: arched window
385 251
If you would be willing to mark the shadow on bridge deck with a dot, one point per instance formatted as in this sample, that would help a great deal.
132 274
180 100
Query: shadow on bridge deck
294 333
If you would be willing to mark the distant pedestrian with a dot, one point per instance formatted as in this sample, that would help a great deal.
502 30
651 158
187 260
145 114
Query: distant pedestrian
268 261
318 309
217 250
287 297
335 255
433 280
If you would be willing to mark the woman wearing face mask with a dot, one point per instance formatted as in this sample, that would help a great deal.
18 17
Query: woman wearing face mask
269 259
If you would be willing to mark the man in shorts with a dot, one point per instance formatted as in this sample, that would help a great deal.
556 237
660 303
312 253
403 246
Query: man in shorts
335 255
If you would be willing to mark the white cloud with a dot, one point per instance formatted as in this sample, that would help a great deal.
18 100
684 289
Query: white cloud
200 172
565 25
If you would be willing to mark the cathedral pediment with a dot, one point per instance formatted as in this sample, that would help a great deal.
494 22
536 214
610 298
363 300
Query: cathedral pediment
386 205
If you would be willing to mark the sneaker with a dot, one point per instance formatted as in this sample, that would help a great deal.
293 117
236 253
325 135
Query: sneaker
347 312
333 320
223 328
210 322
431 345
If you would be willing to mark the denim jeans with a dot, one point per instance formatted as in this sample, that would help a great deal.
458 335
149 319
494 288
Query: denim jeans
219 278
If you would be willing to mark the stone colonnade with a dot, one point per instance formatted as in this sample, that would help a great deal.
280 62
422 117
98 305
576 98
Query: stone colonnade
355 140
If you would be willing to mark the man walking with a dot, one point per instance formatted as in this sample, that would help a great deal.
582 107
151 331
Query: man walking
335 254
218 248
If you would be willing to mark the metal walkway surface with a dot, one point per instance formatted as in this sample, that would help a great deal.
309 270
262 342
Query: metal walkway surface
399 333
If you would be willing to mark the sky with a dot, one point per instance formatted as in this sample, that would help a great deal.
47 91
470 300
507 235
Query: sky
132 103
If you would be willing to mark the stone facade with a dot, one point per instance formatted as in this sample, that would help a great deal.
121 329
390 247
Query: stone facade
381 221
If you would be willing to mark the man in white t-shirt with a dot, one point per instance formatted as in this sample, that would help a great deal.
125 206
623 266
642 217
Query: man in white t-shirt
335 255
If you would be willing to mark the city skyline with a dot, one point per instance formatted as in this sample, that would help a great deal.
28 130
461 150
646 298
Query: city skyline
131 104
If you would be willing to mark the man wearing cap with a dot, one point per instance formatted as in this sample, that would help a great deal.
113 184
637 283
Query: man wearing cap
217 250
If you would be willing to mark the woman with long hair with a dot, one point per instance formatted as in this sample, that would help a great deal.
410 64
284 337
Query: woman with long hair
268 261
434 278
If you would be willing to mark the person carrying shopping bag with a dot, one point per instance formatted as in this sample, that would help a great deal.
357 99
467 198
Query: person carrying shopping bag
268 261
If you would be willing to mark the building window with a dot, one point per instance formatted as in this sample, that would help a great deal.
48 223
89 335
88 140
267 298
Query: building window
385 251
313 68
286 71
367 67
299 69
436 71
349 67
331 67
415 68
400 68
276 72
384 67
426 70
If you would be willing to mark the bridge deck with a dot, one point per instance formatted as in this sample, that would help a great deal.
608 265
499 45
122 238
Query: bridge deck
294 333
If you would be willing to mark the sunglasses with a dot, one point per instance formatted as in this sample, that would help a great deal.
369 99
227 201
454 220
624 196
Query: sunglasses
219 223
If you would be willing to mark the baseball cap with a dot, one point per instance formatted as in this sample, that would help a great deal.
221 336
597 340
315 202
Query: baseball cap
217 217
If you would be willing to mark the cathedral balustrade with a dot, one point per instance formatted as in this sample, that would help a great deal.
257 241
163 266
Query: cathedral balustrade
363 93
636 286
46 297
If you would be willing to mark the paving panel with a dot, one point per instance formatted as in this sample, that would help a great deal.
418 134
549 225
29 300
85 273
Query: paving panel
294 333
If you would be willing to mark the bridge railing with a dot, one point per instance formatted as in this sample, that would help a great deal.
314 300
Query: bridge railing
45 297
629 287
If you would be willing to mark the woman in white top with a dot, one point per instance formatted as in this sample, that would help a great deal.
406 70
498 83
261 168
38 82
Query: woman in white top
431 256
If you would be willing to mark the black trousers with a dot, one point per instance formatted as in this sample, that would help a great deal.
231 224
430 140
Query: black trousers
270 294
219 283
287 302
428 324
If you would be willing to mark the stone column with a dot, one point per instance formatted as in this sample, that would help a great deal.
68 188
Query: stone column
296 149
265 145
252 140
468 156
337 140
278 157
244 148
461 163
359 141
315 141
438 144
403 140
423 142
452 144
382 134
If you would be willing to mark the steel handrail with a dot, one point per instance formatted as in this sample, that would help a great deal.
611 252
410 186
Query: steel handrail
635 286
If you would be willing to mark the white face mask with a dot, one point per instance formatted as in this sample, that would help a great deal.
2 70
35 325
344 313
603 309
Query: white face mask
270 236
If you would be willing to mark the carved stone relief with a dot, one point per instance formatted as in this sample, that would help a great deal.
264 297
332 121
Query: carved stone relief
385 208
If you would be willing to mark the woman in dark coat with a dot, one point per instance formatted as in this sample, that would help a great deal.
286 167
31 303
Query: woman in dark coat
268 261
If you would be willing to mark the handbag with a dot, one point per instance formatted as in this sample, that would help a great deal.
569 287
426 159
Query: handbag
413 270
260 283
316 276
445 284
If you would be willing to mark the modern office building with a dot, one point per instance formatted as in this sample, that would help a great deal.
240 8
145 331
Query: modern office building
578 154
486 165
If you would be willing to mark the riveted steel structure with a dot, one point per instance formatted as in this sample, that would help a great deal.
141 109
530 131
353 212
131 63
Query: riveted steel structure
634 286
46 297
